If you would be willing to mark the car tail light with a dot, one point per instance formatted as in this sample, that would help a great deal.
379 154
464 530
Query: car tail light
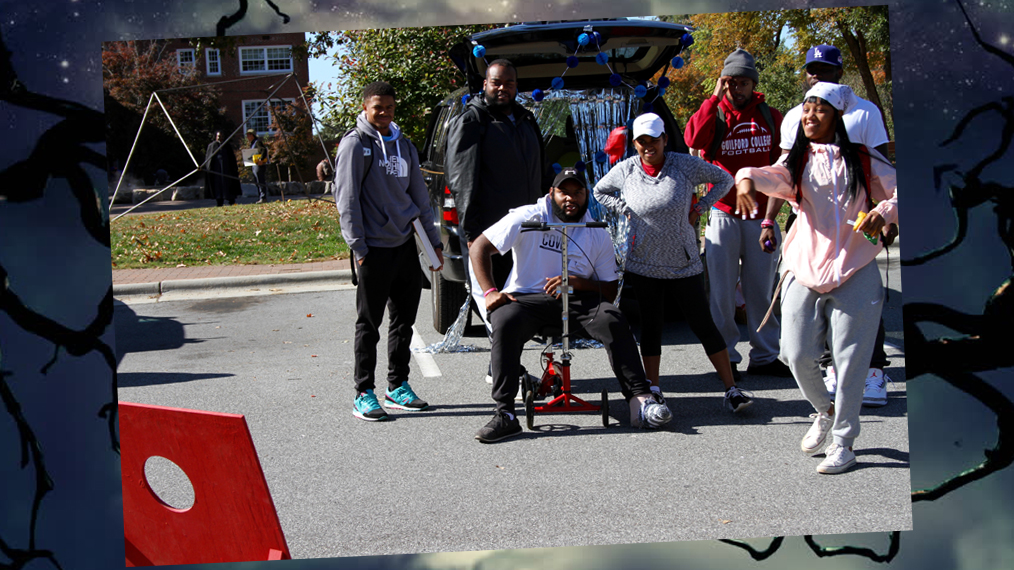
450 210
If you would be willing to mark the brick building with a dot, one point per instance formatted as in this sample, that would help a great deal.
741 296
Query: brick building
262 62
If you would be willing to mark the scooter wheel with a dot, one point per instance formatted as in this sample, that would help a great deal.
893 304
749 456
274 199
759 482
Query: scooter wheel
605 408
530 409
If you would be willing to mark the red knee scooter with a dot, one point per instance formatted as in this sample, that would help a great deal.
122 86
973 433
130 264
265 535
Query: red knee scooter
556 373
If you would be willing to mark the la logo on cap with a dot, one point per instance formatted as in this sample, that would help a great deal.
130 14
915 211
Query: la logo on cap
817 54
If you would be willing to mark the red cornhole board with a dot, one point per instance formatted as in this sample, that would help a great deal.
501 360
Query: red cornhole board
233 518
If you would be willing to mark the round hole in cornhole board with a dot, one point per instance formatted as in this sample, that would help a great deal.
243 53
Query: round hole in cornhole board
170 484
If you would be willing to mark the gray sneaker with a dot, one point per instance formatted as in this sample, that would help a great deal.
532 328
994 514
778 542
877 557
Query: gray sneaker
654 413
875 393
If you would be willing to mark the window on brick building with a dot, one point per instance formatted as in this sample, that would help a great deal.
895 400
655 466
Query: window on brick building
213 60
265 59
259 119
185 59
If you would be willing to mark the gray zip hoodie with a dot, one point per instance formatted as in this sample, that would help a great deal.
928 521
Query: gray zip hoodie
378 211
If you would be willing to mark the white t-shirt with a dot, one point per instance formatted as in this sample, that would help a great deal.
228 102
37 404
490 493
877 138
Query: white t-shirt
863 123
537 253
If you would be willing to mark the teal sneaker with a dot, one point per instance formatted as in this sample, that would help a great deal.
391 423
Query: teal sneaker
367 408
403 398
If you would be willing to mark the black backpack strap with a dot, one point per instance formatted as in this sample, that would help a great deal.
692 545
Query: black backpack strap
765 111
720 129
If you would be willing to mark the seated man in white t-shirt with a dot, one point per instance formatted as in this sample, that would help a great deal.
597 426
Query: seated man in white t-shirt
530 302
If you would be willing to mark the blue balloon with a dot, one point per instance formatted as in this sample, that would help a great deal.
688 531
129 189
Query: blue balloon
572 61
640 91
677 62
538 95
479 51
602 58
600 156
598 37
583 39
687 40
663 82
579 166
615 80
661 91
557 83
557 168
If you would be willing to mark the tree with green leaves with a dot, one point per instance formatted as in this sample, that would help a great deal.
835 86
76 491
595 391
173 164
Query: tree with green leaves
763 34
292 146
413 60
131 72
778 40
861 34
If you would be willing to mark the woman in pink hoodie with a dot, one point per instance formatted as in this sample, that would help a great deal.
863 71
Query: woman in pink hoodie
833 289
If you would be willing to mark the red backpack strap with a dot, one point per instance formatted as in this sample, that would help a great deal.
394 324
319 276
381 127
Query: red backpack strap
864 159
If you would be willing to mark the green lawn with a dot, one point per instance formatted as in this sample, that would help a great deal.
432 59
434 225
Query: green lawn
294 231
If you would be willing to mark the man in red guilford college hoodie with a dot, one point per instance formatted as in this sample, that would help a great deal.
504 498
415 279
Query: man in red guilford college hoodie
735 128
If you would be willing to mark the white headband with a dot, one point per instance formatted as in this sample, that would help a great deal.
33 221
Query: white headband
830 92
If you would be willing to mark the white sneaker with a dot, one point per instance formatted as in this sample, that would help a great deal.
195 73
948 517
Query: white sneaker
875 394
815 436
489 379
838 459
653 413
830 381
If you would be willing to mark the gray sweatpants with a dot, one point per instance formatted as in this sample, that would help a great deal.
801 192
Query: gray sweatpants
847 317
728 242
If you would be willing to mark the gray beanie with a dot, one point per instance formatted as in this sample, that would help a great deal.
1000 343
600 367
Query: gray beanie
740 63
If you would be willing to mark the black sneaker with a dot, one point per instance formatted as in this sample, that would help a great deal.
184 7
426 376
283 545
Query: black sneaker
774 368
498 428
736 400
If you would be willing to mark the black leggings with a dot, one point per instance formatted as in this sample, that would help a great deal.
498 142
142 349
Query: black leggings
693 302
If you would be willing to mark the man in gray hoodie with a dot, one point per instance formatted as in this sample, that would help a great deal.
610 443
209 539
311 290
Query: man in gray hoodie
379 191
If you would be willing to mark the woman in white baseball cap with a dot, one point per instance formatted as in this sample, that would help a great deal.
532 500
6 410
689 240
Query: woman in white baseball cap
655 191
832 289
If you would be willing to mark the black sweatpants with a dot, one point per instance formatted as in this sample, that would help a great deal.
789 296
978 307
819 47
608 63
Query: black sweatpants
388 277
517 322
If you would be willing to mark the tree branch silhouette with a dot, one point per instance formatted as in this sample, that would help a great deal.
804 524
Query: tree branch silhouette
230 20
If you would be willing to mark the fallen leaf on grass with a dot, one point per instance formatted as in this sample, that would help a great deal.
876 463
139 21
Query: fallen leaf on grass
313 356
498 467
309 315
725 521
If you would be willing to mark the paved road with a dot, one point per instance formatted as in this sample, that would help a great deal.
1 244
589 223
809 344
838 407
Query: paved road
421 483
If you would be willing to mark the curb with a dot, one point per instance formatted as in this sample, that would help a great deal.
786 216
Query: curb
329 279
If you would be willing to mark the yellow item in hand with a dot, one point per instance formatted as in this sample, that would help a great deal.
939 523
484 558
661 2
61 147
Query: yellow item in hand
859 219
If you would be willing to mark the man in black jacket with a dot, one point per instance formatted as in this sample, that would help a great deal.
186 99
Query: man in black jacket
221 179
495 162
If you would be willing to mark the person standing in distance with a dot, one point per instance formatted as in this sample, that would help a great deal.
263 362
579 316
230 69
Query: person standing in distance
259 167
380 190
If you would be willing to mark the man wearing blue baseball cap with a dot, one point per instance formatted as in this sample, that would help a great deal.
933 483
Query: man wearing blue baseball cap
865 125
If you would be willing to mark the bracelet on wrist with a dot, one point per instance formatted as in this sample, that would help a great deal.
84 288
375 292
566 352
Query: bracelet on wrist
488 291
768 224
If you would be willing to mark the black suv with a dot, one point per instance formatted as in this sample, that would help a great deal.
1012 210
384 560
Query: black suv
576 120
